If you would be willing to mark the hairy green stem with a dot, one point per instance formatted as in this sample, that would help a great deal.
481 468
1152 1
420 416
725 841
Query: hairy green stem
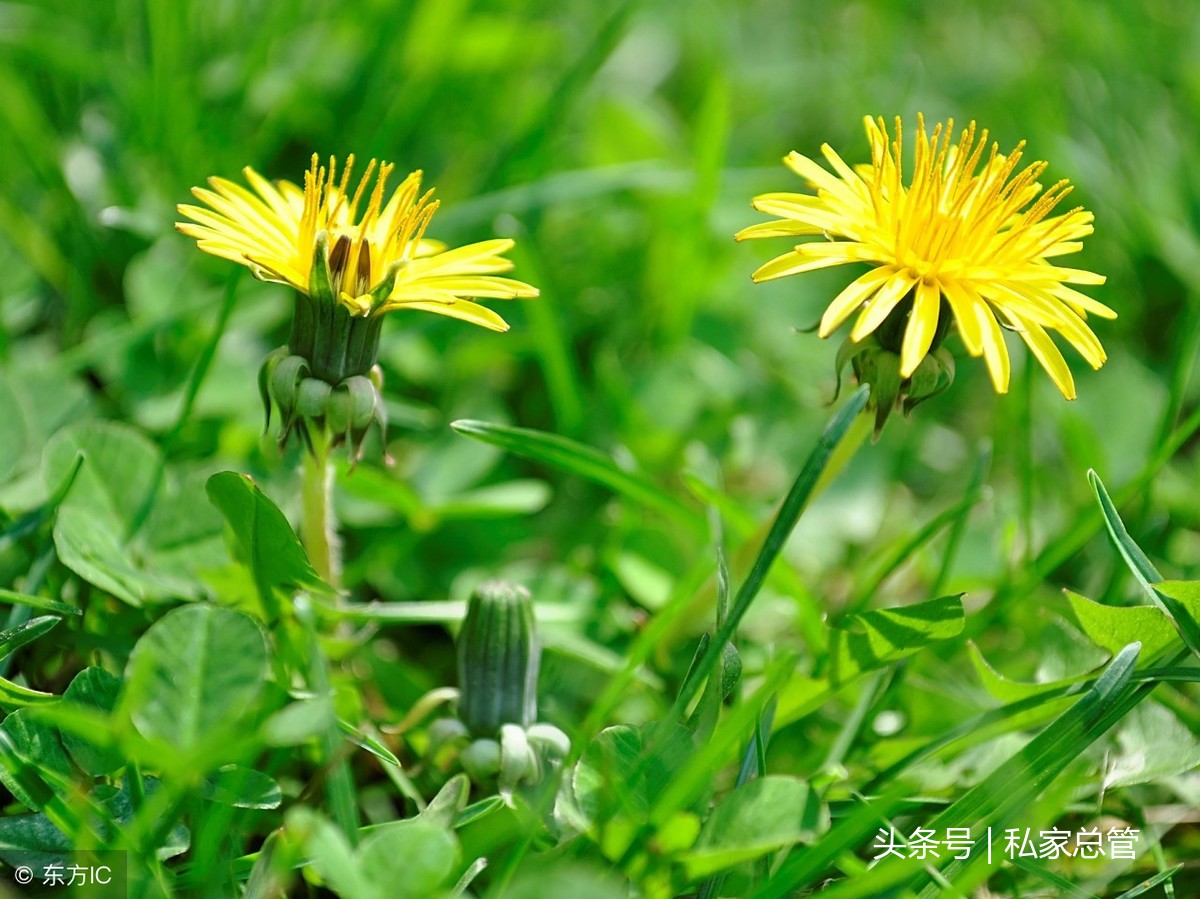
318 527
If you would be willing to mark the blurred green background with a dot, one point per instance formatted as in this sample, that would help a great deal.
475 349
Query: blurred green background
619 143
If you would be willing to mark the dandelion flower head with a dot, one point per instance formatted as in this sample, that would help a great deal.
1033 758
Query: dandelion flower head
970 236
374 263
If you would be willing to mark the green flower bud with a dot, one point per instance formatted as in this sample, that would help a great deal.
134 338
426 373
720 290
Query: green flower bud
876 361
498 659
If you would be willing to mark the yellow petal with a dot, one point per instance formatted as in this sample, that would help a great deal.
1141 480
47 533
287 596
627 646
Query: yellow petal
882 304
851 298
995 353
962 304
1081 302
462 309
783 228
1046 352
481 286
793 264
922 325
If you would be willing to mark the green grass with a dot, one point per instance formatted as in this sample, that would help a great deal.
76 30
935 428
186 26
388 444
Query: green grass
908 656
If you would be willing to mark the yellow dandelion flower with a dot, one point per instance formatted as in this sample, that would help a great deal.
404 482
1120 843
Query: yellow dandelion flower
967 238
375 263
348 270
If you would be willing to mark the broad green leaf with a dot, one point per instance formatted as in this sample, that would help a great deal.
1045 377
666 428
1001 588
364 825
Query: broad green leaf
1004 688
567 879
615 786
267 542
299 722
1008 791
328 850
1183 597
407 860
194 674
13 435
242 787
39 746
877 638
758 817
1114 627
1154 744
97 689
118 478
585 461
35 841
88 545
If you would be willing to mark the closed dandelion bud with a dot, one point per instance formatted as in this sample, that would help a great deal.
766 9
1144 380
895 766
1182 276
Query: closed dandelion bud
498 658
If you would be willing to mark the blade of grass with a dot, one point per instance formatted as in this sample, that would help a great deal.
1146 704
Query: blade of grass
1143 569
1085 526
905 550
1142 888
789 513
960 524
339 789
1004 793
584 461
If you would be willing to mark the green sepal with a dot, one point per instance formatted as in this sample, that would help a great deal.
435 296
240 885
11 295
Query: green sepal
381 291
265 371
481 760
286 376
847 353
933 376
311 397
518 762
881 369
320 284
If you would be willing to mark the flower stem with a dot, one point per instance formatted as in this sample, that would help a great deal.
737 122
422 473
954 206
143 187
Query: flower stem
318 527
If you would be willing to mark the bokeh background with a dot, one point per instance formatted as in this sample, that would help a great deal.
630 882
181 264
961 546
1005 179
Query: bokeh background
619 143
